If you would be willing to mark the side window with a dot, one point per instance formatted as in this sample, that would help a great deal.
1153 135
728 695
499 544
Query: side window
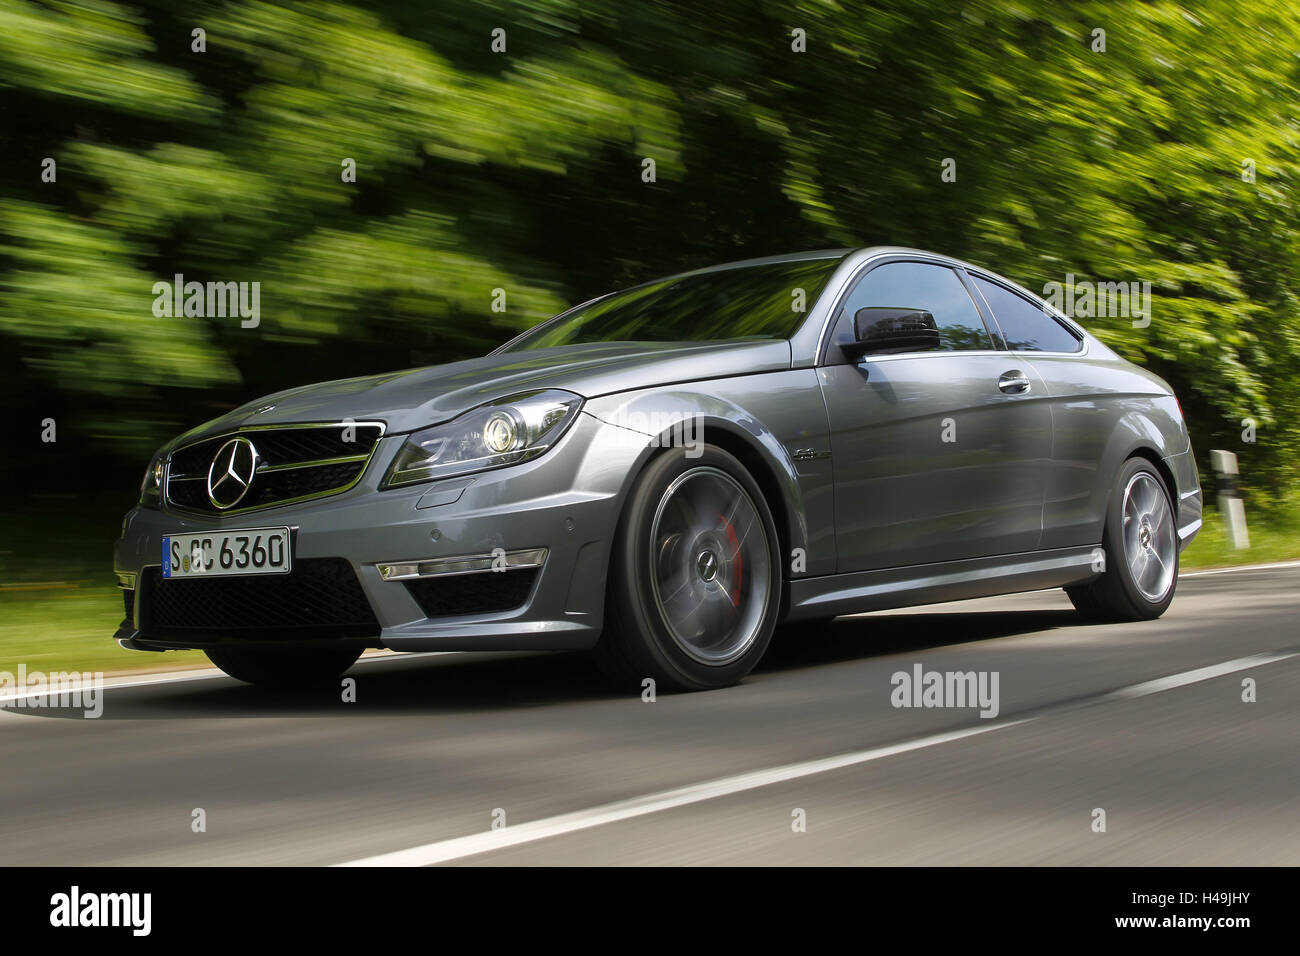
1025 326
919 285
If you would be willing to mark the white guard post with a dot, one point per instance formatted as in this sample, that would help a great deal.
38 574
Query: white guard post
1231 507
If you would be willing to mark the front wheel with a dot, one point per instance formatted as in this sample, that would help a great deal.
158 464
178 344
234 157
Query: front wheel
695 575
284 667
1141 551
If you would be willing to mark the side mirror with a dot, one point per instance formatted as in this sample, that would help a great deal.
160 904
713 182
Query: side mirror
881 330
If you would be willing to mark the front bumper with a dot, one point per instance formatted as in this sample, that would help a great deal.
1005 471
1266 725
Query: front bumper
563 506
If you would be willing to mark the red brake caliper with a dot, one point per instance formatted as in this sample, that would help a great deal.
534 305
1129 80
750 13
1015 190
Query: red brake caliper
737 562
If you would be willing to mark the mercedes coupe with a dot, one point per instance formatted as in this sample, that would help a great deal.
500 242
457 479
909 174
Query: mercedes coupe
664 475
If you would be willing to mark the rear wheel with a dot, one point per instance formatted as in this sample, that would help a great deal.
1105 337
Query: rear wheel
284 667
694 584
1141 549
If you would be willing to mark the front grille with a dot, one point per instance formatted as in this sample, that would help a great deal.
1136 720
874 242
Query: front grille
293 463
320 598
485 592
128 600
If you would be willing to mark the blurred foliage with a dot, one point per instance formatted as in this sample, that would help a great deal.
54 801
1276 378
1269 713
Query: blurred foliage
523 170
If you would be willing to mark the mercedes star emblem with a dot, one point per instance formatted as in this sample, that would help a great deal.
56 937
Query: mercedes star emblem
231 473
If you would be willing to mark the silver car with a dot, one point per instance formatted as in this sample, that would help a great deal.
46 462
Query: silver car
664 475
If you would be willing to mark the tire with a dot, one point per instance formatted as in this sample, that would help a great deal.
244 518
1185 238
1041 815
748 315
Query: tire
1141 549
694 587
805 630
284 667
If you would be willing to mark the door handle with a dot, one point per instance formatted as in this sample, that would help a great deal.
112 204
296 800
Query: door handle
1014 382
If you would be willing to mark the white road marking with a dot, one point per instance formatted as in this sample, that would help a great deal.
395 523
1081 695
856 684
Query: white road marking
1147 688
111 684
458 848
640 806
1243 567
206 673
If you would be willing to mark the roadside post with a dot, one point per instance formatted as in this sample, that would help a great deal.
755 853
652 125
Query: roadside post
1231 507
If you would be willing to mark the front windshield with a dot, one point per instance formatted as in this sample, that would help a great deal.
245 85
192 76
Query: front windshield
766 301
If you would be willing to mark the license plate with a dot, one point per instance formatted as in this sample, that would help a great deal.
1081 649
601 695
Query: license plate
223 553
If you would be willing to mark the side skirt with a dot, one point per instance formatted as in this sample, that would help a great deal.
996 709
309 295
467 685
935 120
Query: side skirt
858 591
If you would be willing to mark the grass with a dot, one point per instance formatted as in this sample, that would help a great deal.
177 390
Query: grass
1274 536
62 618
59 603
69 626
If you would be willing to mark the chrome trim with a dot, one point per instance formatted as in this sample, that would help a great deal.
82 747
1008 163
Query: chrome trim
964 353
317 463
269 469
1070 326
133 643
989 276
181 509
232 472
1027 354
382 426
864 265
125 580
1026 357
280 427
462 564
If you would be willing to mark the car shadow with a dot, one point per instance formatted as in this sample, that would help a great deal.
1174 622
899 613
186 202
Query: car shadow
884 633
479 682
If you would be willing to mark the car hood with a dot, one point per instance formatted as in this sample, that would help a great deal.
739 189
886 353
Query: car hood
416 398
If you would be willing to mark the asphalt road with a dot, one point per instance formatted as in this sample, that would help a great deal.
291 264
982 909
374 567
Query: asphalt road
412 772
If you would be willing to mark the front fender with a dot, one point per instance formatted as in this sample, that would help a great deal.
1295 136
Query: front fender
775 420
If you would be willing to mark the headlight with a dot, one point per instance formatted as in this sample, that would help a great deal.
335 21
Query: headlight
503 433
151 487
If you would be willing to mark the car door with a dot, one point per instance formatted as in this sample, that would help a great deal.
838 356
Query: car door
1082 415
937 455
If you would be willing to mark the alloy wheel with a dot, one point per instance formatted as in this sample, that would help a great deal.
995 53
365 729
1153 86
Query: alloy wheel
1149 542
711 565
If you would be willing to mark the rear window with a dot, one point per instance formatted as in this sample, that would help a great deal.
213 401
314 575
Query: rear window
1024 324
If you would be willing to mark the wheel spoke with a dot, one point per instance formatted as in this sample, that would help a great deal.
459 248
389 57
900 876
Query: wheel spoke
742 536
711 579
1146 495
1156 555
1146 530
